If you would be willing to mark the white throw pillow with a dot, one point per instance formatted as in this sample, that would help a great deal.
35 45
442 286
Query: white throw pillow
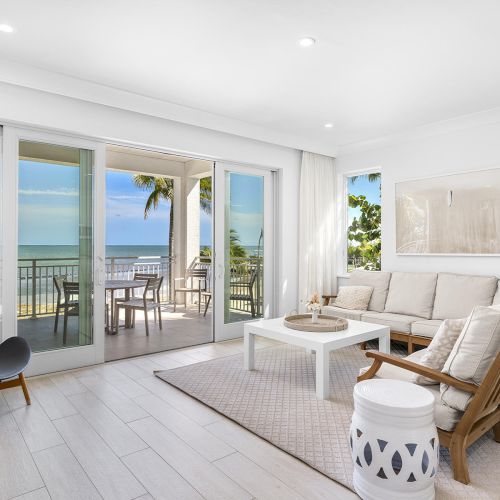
439 349
354 297
472 355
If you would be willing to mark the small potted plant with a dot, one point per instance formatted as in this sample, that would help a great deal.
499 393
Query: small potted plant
314 306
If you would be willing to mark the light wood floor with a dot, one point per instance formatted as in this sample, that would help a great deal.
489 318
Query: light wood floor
115 431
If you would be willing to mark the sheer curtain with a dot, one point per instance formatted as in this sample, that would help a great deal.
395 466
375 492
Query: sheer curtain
317 226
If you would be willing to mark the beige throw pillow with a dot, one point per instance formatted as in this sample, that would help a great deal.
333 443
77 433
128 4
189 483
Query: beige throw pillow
472 355
439 349
354 297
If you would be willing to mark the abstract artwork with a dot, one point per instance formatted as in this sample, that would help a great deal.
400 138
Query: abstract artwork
449 214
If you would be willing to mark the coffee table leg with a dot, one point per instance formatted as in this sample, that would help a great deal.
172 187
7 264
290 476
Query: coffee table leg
249 351
384 342
322 374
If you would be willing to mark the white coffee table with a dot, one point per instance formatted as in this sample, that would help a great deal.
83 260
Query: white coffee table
322 342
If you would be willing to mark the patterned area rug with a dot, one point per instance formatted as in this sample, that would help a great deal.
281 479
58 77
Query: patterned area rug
278 403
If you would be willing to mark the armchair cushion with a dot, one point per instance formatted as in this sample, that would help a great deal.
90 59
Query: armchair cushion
411 294
353 297
439 349
472 355
446 418
496 298
379 280
458 294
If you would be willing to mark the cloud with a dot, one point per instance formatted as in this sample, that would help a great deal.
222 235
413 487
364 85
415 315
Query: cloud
49 192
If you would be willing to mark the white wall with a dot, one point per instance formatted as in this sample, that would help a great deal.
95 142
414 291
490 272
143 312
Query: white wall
23 106
468 147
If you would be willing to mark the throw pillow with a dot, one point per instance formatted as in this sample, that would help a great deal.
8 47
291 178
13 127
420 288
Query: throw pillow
472 355
439 349
354 297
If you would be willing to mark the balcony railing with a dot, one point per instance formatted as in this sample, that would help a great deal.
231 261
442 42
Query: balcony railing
37 295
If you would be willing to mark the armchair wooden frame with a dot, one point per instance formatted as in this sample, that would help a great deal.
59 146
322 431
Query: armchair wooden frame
482 414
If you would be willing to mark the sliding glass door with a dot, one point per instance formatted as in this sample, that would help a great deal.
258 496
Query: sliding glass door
53 274
244 257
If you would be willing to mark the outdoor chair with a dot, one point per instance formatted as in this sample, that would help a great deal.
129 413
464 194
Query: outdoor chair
243 290
71 306
481 415
193 275
15 354
144 303
58 285
144 277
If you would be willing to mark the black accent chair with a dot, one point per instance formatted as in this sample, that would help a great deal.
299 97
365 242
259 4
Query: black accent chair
15 354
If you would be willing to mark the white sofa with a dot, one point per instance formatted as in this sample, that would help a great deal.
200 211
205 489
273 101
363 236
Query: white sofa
413 305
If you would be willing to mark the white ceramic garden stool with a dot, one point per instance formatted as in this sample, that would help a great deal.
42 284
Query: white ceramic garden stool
394 441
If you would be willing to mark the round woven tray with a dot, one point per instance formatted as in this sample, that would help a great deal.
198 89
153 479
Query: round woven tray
303 322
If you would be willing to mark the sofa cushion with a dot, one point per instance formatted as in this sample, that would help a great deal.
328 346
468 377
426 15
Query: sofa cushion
397 322
343 313
411 293
496 298
426 327
458 294
379 280
353 297
440 348
446 418
472 355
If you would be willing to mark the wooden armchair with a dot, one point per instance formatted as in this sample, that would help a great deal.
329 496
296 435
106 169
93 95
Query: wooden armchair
482 414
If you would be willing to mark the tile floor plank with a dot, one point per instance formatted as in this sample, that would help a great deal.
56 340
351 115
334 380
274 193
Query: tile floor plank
36 427
163 482
63 475
40 494
18 472
255 479
296 474
192 408
117 434
119 403
207 479
205 443
108 474
52 400
68 383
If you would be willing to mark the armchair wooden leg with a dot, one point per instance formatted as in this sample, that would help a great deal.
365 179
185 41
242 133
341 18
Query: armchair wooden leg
25 388
362 346
496 432
459 460
411 347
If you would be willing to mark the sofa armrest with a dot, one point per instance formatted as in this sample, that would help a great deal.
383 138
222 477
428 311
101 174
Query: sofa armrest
436 375
326 299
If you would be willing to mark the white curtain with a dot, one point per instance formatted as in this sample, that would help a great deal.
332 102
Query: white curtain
317 226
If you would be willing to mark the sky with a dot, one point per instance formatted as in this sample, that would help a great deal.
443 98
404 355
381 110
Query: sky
362 186
48 208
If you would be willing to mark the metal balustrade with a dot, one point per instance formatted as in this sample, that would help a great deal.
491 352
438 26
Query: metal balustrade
37 296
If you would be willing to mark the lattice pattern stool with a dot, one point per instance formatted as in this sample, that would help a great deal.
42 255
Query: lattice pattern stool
394 441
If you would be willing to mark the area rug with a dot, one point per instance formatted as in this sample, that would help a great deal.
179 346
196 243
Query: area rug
277 402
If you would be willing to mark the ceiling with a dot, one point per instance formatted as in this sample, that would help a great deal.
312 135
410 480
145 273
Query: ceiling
378 68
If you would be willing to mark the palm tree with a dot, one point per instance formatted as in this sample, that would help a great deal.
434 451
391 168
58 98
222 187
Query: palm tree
373 177
162 188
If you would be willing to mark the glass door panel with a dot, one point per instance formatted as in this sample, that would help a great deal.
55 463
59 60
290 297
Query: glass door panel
243 248
55 246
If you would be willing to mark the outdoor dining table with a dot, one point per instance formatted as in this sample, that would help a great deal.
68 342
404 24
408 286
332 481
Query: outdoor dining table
126 285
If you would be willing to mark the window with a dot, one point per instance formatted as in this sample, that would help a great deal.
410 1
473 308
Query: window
364 213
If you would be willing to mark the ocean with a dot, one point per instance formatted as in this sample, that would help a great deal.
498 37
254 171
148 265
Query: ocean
55 252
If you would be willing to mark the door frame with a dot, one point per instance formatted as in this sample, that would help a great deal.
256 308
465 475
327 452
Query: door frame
68 357
221 330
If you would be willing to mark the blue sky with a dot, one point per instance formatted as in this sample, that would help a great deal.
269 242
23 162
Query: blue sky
48 208
362 186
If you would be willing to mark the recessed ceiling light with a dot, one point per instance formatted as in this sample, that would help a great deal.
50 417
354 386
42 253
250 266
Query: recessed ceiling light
306 41
6 28
328 125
